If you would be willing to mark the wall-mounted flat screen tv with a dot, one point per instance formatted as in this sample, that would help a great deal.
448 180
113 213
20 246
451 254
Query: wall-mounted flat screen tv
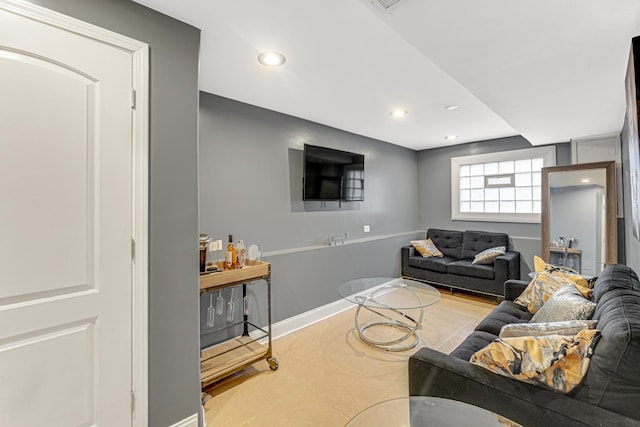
332 174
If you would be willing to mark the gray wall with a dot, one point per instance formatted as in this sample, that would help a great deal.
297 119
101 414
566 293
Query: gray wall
434 174
251 186
576 212
631 244
174 379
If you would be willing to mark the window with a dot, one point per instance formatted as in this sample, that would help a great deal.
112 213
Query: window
504 186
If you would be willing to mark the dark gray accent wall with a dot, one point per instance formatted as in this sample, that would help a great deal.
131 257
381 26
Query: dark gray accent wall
434 174
251 186
631 245
174 378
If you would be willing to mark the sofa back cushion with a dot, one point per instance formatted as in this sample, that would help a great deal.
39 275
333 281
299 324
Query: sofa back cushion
615 276
613 378
474 242
448 241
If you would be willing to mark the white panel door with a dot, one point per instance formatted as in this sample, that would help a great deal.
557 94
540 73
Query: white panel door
65 227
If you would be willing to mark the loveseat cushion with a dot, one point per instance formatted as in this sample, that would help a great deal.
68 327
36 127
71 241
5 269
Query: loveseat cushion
474 242
613 378
467 268
448 241
431 263
474 342
506 312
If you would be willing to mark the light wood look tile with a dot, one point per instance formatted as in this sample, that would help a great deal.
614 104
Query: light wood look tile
327 375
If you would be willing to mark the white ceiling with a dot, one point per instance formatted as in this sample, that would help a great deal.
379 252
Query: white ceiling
549 70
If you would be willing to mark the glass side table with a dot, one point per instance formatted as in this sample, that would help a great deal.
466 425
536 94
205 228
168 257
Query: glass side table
396 303
419 411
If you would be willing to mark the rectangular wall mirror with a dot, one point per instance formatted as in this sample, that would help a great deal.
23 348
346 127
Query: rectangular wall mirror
578 221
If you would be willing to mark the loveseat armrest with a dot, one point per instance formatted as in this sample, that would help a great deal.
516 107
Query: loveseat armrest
436 374
507 266
513 288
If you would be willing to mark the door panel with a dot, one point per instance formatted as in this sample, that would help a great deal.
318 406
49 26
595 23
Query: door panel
66 224
51 196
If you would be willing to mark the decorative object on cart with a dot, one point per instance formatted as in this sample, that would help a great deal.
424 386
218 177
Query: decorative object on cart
255 251
240 254
204 249
230 260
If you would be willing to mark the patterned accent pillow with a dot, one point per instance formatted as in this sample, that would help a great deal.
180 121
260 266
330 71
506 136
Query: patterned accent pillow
542 286
540 265
565 304
489 255
426 248
558 362
568 327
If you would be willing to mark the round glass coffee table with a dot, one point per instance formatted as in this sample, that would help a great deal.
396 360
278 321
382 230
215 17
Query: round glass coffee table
395 303
426 411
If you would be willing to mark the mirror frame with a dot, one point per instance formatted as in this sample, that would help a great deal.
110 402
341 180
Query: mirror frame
611 256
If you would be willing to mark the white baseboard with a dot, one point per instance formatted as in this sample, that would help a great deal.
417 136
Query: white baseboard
191 421
302 320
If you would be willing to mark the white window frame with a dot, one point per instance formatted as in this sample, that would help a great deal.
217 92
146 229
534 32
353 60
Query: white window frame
548 155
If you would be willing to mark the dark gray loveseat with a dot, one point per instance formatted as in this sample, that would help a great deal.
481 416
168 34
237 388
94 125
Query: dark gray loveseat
455 268
609 394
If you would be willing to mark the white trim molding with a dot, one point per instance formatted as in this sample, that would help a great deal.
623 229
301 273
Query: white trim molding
191 421
548 154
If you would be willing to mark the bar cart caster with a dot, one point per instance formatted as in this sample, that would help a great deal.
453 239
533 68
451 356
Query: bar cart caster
273 363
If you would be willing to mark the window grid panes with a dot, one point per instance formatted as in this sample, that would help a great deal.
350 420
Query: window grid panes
522 195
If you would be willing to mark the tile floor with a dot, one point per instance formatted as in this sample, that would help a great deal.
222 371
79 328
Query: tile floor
327 375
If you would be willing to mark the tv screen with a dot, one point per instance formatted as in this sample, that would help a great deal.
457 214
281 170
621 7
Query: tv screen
332 174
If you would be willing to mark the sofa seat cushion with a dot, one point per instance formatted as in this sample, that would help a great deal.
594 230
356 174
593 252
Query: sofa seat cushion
448 241
474 242
438 264
474 342
467 268
506 312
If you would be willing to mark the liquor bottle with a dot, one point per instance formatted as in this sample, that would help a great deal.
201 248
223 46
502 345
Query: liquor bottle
240 252
230 255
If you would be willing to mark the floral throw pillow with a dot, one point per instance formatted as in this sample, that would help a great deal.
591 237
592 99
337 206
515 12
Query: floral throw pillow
489 255
426 248
542 286
558 362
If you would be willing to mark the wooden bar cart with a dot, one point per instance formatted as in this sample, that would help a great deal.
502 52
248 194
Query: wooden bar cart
233 354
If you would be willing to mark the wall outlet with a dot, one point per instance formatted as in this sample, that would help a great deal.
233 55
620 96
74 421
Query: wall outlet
367 228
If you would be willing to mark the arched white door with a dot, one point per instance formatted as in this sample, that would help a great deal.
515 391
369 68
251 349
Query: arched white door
65 227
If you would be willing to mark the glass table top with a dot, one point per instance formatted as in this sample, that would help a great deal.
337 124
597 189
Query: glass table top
425 411
385 292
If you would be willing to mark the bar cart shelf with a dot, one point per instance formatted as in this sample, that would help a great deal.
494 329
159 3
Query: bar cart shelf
231 355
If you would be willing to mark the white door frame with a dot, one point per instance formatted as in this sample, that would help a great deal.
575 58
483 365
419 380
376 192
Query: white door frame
140 190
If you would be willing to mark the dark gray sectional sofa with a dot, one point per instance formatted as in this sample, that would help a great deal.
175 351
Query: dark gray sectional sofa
455 268
609 395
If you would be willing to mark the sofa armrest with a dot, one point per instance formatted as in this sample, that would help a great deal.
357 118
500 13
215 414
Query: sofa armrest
507 266
513 288
432 373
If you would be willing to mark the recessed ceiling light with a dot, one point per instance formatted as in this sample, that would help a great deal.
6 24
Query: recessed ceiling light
451 107
398 113
585 180
449 137
271 59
